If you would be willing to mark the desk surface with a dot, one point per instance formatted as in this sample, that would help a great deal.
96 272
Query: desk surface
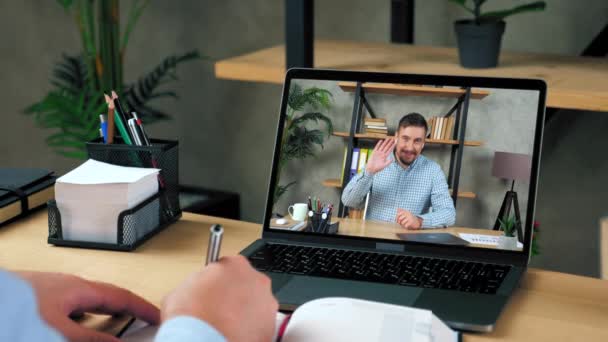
389 230
549 306
573 82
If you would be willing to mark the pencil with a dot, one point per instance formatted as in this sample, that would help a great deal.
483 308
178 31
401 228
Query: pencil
110 119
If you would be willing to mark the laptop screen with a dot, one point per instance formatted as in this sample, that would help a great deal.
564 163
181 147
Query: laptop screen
417 161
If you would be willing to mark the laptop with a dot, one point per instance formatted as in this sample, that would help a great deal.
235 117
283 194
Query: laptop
366 157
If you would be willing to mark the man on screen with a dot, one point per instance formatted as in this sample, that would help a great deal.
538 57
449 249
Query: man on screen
403 184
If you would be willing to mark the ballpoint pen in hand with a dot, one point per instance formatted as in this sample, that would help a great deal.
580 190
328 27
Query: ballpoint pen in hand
215 241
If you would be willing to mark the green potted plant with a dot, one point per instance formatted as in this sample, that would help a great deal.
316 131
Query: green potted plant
479 38
72 107
508 225
299 138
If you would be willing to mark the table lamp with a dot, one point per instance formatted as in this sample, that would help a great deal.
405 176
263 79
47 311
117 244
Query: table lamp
511 166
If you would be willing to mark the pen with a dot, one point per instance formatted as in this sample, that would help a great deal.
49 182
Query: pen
309 204
215 241
104 128
121 124
121 119
134 133
142 133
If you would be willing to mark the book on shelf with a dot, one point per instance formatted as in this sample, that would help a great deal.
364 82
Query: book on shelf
376 131
375 127
375 120
440 128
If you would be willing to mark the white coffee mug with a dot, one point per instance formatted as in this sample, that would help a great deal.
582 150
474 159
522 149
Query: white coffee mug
298 211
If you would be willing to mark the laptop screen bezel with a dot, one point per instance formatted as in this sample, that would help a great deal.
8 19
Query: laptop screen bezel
518 257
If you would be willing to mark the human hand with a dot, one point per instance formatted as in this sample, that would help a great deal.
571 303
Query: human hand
408 220
379 159
60 296
231 296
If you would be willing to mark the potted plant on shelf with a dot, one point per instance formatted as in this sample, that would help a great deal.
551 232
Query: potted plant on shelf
479 38
299 140
72 107
508 226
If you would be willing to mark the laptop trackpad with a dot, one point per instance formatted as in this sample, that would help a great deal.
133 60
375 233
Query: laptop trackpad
300 290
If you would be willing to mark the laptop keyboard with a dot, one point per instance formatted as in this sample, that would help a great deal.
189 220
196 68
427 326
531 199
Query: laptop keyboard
380 268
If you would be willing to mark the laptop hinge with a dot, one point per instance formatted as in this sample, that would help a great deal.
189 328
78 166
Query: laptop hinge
390 247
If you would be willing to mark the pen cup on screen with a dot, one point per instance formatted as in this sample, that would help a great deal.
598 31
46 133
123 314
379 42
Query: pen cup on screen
215 241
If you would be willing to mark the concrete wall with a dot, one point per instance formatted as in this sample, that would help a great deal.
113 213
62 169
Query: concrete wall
226 128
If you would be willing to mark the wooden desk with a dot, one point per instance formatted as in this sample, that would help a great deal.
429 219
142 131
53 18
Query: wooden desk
573 82
549 306
388 230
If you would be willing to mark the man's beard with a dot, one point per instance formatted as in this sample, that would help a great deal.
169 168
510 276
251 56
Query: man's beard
405 162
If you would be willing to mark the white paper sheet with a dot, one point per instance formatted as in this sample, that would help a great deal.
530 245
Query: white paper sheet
96 172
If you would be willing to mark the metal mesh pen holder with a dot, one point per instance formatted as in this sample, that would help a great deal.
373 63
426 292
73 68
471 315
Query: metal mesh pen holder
319 222
134 226
161 154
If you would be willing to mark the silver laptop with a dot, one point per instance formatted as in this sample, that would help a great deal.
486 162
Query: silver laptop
414 190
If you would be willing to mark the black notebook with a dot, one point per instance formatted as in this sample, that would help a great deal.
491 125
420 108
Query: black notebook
22 190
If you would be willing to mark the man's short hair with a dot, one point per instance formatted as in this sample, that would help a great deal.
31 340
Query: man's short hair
413 119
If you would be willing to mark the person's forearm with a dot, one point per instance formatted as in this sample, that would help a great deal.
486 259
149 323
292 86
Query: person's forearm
186 328
438 219
19 307
359 186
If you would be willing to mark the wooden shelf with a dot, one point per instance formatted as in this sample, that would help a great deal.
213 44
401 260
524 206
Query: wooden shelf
398 89
335 183
572 82
373 136
332 183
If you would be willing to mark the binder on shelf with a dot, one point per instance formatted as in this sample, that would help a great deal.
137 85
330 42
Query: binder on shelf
354 162
343 165
362 160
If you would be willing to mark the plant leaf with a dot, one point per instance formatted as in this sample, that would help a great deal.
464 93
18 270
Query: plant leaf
316 117
464 5
280 190
531 7
138 94
66 4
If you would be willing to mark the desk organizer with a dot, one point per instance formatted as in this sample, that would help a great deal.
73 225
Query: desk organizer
138 224
315 224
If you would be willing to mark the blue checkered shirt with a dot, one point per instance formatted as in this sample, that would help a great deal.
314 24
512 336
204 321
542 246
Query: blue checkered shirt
416 189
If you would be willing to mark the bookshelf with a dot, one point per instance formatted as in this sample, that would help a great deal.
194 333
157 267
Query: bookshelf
428 141
361 106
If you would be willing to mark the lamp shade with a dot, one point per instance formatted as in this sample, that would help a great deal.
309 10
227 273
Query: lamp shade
513 166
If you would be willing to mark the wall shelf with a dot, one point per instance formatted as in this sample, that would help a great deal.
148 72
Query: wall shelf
413 90
572 82
373 136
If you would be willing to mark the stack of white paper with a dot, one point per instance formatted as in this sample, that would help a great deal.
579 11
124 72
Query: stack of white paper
91 197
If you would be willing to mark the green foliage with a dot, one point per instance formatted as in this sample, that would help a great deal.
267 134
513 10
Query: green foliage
138 94
299 140
501 14
535 245
508 225
72 107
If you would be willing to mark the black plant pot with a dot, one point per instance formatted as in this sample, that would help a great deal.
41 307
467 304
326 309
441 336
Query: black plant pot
479 45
